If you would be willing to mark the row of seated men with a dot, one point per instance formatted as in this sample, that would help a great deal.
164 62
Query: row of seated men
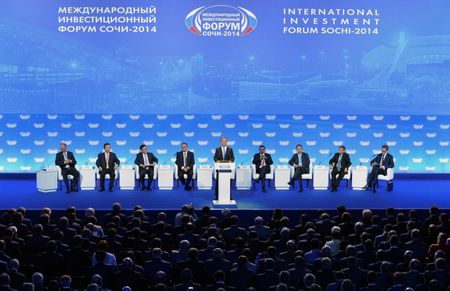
108 162
201 250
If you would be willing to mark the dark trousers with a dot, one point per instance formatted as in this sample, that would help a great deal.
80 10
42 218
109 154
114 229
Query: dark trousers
373 176
263 171
189 174
298 172
146 171
70 171
112 177
340 174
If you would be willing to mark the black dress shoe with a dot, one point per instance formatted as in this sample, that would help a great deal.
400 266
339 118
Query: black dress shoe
75 189
187 188
101 190
366 187
67 190
301 189
142 188
291 183
264 190
149 188
110 190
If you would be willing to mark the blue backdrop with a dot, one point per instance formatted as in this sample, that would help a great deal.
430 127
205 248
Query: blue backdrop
65 57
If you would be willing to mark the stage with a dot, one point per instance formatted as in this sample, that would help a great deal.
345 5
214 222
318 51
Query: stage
410 191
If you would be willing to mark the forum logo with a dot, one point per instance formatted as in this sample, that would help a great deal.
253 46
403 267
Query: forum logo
221 21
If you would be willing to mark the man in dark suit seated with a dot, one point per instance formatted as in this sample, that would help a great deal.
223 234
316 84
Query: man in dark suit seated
17 278
127 276
262 162
300 161
380 164
241 276
224 153
339 165
66 161
106 271
233 231
185 162
156 264
107 163
186 282
146 162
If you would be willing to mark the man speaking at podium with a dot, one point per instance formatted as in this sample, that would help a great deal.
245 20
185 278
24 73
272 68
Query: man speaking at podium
223 154
146 162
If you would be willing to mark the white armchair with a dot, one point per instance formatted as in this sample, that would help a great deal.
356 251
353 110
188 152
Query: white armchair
107 177
138 177
347 176
308 177
389 178
60 176
177 178
269 176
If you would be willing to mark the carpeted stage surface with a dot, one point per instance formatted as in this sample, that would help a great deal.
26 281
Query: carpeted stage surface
417 192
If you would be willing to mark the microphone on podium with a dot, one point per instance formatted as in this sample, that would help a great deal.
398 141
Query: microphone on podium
246 160
45 168
169 158
329 155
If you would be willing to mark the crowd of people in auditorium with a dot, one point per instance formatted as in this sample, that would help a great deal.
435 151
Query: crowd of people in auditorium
204 250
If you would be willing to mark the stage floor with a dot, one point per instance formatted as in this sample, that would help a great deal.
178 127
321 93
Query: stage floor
408 193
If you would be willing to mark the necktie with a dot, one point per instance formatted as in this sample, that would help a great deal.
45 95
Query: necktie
107 160
263 162
223 153
339 162
300 164
146 163
184 159
382 159
65 158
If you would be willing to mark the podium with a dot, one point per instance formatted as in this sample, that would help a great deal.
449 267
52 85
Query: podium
126 178
204 177
244 177
223 184
47 180
87 178
320 181
282 177
165 177
359 179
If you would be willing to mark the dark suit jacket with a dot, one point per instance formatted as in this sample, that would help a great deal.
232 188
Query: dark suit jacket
229 156
305 161
140 159
388 160
257 161
59 160
345 161
101 160
190 160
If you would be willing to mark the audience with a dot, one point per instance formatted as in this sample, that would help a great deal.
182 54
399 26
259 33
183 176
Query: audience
201 251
